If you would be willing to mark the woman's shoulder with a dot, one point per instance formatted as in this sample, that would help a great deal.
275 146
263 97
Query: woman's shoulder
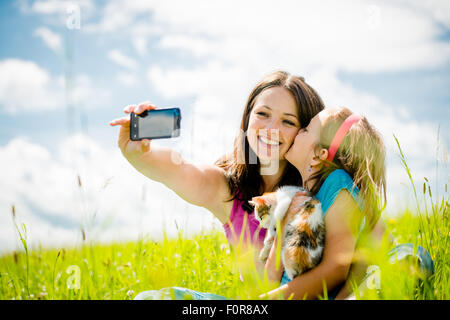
218 192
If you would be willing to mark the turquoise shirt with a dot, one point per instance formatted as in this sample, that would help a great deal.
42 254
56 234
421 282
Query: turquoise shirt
337 180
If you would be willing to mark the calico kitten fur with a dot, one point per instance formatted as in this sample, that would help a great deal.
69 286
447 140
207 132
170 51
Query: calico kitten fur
304 231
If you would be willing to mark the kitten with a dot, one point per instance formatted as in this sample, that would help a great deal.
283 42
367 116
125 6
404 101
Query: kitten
304 231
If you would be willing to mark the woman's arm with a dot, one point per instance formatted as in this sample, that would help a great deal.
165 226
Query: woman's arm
340 242
201 185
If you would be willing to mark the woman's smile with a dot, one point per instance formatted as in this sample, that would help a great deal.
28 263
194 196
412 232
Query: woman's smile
269 147
268 141
273 123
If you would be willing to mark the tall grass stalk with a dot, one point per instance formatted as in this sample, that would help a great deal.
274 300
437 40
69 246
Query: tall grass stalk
433 229
23 240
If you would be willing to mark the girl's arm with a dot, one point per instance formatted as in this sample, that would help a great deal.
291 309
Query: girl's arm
337 257
273 273
359 266
201 185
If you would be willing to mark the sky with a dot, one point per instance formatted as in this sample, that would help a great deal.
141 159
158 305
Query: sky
69 67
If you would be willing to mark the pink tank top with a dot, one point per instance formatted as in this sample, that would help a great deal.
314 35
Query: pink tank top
242 224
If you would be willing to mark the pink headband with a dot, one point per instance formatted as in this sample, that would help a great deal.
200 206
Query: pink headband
340 134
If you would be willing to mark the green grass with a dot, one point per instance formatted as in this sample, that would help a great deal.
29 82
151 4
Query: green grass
205 263
121 270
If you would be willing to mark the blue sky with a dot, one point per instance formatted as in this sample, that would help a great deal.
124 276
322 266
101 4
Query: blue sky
388 60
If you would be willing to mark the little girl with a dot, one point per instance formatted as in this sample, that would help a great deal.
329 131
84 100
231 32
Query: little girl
341 158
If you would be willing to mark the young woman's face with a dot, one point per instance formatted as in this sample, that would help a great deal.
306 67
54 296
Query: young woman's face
302 151
273 123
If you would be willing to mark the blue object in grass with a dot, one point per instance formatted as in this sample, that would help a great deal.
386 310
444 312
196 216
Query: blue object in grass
177 293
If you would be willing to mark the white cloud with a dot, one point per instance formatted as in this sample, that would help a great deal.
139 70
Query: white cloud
50 38
352 36
120 14
83 92
143 31
51 6
122 60
196 45
25 86
211 78
58 7
113 203
68 13
140 44
438 10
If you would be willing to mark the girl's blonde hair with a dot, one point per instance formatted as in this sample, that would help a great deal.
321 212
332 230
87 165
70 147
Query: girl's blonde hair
362 154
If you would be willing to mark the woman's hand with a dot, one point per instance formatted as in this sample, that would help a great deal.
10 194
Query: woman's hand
132 149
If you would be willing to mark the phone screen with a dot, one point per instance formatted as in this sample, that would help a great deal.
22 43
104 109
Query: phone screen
155 124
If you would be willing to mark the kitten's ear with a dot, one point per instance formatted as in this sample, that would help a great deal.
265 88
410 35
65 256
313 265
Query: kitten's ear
256 201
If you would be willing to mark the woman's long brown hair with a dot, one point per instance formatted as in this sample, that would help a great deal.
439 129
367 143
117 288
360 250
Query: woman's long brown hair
242 174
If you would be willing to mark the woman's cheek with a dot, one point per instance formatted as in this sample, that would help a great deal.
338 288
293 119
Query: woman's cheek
288 141
290 152
293 134
296 146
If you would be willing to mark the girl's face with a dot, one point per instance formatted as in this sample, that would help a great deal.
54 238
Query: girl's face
273 123
302 153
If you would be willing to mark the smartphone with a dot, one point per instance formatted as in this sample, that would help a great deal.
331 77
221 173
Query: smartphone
155 124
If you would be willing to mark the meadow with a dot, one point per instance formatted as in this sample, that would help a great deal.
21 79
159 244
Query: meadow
206 263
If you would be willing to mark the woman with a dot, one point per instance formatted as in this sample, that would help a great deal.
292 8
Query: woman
278 106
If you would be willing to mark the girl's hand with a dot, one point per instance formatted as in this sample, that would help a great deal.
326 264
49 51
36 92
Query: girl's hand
132 149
